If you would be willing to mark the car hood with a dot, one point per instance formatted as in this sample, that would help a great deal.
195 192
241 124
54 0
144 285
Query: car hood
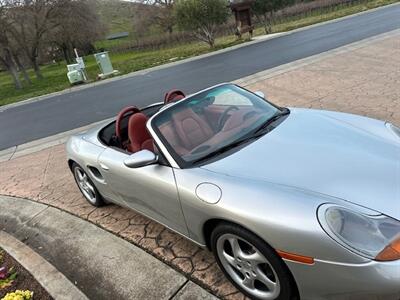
353 158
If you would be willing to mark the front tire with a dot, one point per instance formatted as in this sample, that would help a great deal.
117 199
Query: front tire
251 264
86 186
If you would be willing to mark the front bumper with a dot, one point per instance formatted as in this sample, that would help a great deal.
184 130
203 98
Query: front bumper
331 280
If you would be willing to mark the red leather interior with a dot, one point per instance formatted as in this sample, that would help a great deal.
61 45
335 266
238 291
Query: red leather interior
122 113
173 96
232 128
169 133
237 118
139 136
191 128
213 113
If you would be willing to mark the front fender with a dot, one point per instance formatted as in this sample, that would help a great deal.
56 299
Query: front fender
284 217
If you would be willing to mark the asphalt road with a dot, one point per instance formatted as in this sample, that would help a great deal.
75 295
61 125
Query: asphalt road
57 114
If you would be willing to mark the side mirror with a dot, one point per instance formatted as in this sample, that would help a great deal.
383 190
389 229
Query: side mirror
261 94
141 159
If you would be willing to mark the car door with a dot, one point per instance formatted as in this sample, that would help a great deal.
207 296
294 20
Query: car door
150 190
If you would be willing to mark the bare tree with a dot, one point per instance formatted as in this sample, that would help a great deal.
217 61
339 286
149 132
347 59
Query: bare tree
31 21
80 27
142 20
17 56
6 56
7 61
28 28
202 17
162 14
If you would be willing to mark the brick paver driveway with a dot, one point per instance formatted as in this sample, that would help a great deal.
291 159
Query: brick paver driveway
363 81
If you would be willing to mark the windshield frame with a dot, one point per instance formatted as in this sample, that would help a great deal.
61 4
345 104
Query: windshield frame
159 140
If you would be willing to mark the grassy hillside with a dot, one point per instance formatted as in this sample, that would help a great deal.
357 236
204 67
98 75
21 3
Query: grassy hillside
118 15
123 16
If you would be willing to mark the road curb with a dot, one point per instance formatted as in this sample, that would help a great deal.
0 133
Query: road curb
256 40
61 236
54 282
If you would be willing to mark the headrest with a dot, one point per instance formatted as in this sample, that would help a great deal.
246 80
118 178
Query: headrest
173 96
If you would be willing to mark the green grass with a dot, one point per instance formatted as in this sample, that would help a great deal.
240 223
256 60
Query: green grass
56 78
55 74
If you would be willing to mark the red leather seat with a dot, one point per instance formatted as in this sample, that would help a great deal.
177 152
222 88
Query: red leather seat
139 136
168 131
173 96
191 128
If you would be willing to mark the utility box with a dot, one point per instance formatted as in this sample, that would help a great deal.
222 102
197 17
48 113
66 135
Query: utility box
104 62
80 62
74 74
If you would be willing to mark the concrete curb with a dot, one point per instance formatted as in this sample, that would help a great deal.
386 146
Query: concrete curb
257 39
55 283
87 253
34 146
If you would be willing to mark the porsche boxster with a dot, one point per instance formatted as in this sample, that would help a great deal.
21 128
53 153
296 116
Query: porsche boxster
294 203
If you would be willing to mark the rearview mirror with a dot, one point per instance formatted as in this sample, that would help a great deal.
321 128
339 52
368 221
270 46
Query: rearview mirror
261 94
141 159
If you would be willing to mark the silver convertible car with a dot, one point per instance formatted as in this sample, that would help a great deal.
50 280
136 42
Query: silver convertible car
294 203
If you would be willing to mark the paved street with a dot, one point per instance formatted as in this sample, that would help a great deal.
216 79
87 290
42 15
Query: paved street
364 81
64 112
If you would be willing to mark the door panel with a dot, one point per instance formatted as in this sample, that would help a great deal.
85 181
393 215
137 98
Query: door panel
150 190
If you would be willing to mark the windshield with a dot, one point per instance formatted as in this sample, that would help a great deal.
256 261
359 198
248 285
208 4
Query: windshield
212 122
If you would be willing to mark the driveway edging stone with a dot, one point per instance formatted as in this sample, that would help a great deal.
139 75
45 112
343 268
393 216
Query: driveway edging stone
53 281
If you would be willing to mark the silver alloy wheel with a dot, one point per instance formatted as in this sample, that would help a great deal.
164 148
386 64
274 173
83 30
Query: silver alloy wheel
248 267
85 185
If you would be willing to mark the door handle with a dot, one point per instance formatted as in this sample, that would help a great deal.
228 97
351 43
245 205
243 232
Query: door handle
104 167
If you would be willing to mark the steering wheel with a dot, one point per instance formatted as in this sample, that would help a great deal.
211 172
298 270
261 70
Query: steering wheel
249 115
121 115
224 117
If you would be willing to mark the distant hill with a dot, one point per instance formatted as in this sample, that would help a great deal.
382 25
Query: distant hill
121 16
117 15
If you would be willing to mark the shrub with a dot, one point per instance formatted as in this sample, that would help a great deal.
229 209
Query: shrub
202 17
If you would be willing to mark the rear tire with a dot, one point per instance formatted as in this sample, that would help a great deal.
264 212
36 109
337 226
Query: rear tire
86 186
251 264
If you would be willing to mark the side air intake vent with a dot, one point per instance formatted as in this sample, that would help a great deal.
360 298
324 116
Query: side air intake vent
96 173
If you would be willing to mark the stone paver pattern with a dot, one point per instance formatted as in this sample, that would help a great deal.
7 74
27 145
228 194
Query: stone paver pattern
365 81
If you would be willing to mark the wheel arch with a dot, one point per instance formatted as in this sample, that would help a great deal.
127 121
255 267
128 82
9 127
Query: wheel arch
70 163
211 224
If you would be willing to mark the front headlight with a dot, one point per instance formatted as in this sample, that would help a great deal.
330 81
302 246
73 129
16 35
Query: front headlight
375 237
